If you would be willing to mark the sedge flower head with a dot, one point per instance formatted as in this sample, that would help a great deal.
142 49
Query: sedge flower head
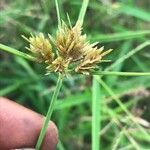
58 65
40 47
92 57
73 52
69 41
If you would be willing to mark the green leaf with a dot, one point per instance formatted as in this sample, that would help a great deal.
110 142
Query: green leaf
135 12
119 36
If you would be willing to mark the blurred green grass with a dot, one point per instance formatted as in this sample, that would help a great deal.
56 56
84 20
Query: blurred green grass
121 25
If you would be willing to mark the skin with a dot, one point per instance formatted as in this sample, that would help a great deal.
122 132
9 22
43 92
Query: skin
20 127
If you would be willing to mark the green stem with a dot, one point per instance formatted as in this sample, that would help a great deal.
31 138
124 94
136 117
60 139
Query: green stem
83 11
95 114
16 52
50 111
58 13
121 73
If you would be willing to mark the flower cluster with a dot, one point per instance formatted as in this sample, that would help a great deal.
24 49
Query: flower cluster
71 51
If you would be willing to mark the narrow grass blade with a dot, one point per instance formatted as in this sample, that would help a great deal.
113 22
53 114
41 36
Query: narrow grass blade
83 11
135 12
125 132
128 55
123 50
119 36
73 100
60 146
9 89
16 52
27 67
117 140
110 91
112 73
141 65
128 147
58 12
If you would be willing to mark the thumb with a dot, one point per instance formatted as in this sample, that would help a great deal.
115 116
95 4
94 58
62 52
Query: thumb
20 127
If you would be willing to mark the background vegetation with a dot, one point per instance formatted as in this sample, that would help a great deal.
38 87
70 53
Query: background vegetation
125 101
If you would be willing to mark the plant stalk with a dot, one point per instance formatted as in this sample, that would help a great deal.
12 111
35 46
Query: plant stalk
83 11
50 111
16 52
58 13
96 114
121 73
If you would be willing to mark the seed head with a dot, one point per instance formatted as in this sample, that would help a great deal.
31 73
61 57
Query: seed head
69 42
58 65
40 47
92 57
74 53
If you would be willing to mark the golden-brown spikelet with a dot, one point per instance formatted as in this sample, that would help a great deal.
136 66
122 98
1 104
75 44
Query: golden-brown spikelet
73 50
70 43
92 57
41 48
58 65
